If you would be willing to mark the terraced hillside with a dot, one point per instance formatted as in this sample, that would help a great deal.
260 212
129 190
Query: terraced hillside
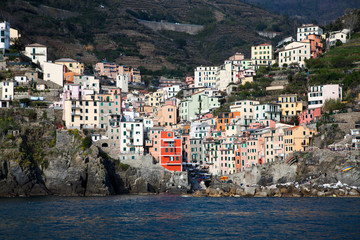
109 29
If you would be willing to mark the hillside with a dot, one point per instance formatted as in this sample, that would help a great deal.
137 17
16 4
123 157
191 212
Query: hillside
306 11
109 29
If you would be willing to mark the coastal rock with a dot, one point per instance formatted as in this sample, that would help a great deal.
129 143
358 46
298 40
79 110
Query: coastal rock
249 191
200 193
262 193
354 193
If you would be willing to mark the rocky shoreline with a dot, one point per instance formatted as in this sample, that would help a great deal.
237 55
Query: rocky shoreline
280 190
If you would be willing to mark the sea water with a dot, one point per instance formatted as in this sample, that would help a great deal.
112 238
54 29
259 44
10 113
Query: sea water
177 217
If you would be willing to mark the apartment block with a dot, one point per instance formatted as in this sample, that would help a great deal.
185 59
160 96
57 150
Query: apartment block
205 76
295 53
262 55
307 29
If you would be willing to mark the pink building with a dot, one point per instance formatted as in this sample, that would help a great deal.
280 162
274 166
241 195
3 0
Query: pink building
309 115
154 142
108 69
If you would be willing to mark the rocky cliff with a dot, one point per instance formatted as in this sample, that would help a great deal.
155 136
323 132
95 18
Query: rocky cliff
73 170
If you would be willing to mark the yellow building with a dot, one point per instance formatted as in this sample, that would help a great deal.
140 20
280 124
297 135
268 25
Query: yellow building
262 55
297 139
156 98
71 65
290 106
93 111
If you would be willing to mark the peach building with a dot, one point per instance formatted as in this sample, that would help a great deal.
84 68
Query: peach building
297 139
316 45
166 116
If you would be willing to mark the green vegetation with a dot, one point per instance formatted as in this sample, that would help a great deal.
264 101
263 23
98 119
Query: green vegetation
337 66
331 105
86 142
113 32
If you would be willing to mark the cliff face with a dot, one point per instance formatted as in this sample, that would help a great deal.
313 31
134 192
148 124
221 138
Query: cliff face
72 171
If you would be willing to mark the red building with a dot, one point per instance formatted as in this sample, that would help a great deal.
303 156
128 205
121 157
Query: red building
309 115
170 151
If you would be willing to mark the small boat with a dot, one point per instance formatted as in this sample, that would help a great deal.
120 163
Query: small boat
347 168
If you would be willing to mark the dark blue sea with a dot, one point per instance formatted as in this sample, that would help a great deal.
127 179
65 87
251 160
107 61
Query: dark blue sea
176 217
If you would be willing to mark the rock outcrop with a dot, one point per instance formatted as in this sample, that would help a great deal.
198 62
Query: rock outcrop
73 171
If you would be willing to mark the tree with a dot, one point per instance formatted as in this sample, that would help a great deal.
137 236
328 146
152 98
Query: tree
351 19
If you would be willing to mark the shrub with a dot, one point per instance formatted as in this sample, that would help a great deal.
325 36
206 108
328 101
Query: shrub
86 142
123 166
10 136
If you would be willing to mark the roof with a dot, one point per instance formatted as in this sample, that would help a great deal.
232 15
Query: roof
35 45
65 60
264 44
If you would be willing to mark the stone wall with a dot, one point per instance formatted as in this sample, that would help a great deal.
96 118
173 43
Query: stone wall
158 26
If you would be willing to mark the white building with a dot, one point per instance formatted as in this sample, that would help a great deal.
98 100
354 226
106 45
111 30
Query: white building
171 91
294 53
37 53
205 76
285 41
319 94
122 82
131 137
338 36
7 90
88 82
4 36
270 111
307 29
21 79
53 73
227 73
246 109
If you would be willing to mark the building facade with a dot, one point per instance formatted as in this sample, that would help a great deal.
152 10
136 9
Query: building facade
319 94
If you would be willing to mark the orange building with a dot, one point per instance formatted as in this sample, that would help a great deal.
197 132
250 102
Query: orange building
225 119
315 44
69 77
170 151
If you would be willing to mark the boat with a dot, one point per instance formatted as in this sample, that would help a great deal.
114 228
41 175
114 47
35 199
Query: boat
347 168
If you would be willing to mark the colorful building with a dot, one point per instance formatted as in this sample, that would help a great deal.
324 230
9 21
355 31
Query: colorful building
290 106
309 115
316 45
71 65
170 151
225 119
297 139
